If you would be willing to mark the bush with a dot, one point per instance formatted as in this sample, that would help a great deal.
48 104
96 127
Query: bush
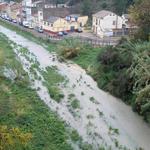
70 48
113 65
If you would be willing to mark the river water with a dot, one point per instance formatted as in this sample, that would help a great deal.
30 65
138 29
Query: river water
102 119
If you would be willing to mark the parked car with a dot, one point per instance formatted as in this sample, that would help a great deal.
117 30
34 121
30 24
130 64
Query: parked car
65 33
8 18
30 26
60 34
14 21
25 24
40 30
4 15
79 30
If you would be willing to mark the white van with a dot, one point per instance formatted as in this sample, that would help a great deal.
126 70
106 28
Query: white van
25 24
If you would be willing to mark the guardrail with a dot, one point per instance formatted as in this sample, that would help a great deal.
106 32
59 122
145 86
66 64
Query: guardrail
94 42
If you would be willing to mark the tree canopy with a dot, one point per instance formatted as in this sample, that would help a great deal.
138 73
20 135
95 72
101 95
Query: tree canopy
140 16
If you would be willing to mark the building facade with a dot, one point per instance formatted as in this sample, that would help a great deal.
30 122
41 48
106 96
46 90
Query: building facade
104 22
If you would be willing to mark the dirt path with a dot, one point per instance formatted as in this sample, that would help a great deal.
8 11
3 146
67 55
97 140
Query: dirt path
101 118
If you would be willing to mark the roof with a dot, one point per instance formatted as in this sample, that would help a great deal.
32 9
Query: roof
57 12
103 13
52 19
37 2
74 15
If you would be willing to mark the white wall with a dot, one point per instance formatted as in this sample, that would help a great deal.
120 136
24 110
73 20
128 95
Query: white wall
27 4
104 26
40 15
111 22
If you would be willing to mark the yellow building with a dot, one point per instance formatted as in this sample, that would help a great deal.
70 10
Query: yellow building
55 24
70 23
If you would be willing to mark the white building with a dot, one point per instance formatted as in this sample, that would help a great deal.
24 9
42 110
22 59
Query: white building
26 8
105 22
126 21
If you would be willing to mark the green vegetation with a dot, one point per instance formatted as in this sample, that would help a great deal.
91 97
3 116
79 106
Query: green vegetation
140 16
75 104
113 131
122 6
92 99
21 108
75 136
82 93
29 35
13 138
69 48
122 70
88 7
86 56
52 81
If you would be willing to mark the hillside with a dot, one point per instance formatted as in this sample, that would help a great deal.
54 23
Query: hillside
88 7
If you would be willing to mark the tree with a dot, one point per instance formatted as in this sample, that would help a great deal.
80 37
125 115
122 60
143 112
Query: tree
140 72
140 16
121 6
87 7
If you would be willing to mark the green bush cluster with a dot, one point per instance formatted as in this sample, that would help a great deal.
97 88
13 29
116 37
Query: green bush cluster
124 71
52 81
70 48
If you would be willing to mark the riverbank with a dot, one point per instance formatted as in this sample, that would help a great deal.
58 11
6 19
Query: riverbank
21 107
85 107
118 82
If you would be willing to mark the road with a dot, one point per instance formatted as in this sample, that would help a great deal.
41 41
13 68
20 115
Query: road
83 37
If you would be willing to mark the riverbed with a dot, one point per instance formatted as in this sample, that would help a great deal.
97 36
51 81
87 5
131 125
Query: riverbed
101 119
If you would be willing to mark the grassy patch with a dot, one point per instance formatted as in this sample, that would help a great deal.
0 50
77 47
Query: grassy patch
93 100
52 81
75 136
75 104
113 131
21 107
87 58
29 35
70 96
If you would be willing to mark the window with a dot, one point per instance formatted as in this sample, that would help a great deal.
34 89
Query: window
96 21
114 22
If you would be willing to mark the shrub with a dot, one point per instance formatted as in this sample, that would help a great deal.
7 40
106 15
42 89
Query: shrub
70 48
